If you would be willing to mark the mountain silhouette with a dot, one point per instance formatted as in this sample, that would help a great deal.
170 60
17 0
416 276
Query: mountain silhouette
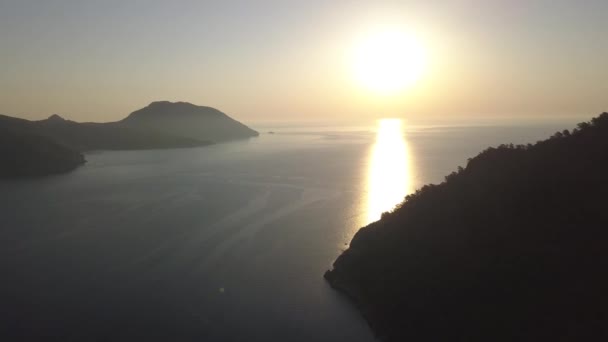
510 248
160 125
188 120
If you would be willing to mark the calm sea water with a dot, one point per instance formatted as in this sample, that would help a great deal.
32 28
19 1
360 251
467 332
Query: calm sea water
220 243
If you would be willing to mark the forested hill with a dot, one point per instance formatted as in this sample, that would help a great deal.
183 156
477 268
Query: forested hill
510 248
23 155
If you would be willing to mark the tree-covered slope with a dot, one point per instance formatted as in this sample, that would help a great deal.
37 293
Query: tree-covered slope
510 248
25 155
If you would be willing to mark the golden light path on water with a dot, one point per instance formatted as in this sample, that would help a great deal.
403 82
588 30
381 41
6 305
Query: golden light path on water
389 177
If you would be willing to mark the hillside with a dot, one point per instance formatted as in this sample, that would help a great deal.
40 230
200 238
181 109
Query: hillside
509 248
96 136
160 125
187 120
24 155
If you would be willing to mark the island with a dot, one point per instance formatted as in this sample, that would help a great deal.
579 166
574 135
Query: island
160 125
184 119
511 247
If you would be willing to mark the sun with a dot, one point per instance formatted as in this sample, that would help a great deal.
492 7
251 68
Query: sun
388 61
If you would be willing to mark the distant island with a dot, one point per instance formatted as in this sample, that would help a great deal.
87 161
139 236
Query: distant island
160 125
510 248
189 121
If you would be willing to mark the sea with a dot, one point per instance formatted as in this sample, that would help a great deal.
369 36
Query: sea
227 242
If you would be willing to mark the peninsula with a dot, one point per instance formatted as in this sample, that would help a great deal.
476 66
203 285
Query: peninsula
510 248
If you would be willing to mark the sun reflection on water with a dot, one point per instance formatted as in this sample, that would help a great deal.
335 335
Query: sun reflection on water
389 172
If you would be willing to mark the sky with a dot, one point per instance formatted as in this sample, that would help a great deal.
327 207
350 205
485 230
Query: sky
293 60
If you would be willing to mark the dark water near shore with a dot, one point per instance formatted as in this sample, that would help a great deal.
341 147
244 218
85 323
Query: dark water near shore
221 243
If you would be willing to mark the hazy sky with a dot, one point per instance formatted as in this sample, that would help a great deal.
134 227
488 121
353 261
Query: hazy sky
292 60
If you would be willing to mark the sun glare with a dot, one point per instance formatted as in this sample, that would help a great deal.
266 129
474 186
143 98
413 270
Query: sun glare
389 61
389 173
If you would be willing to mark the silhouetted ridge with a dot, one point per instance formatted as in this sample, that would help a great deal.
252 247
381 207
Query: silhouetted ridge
188 120
56 118
175 109
159 125
510 248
